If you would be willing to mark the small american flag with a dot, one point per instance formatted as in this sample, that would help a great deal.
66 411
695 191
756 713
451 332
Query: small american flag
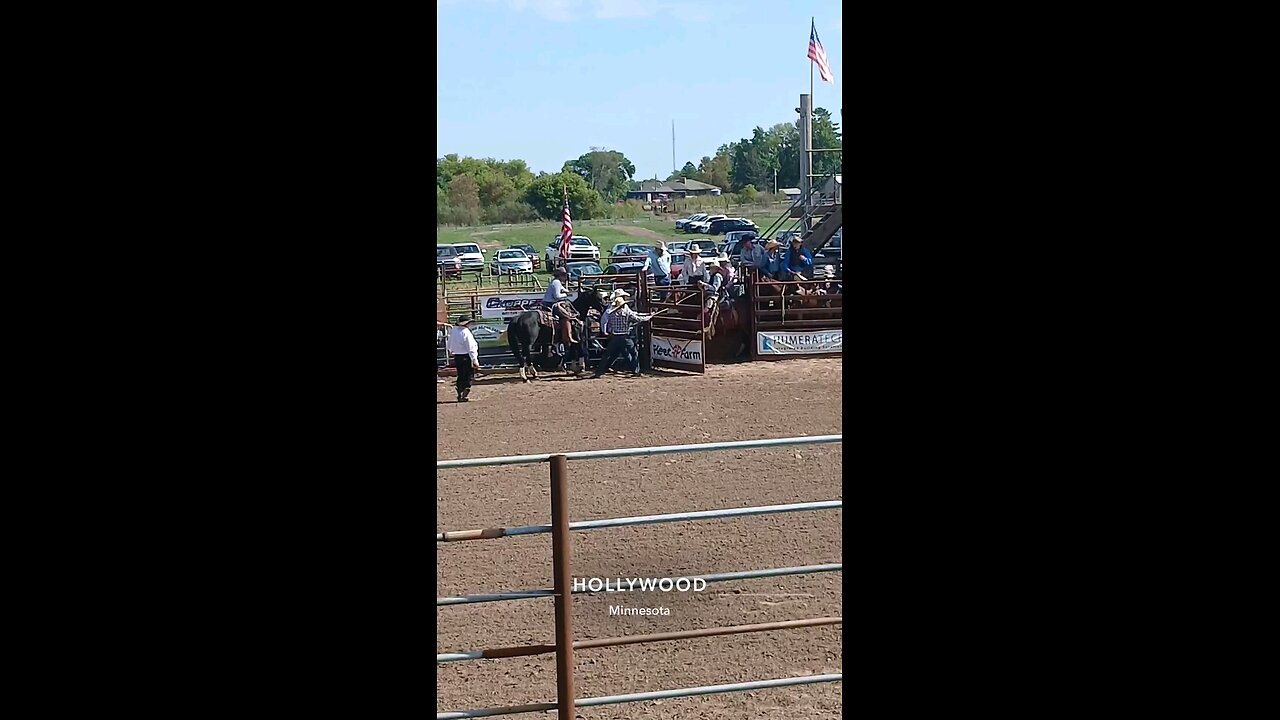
566 229
817 54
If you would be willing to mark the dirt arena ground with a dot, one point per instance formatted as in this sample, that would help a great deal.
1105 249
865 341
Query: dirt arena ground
734 402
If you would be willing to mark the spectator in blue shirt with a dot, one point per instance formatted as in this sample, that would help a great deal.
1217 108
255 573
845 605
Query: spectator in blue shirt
659 261
772 260
796 259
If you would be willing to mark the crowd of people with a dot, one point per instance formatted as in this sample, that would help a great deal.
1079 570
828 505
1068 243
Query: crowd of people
769 259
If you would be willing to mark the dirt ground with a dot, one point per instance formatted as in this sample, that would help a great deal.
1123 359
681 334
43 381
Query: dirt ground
731 402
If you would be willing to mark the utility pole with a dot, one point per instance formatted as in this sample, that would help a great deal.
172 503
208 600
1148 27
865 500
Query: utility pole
673 147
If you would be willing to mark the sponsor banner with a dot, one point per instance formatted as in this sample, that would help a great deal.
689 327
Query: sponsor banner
800 343
675 350
507 307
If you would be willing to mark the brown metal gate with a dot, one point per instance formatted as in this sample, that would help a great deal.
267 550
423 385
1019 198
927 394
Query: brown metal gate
783 327
677 338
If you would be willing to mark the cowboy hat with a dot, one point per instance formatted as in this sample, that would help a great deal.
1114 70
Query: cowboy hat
772 244
619 301
465 319
722 258
796 238
693 248
623 293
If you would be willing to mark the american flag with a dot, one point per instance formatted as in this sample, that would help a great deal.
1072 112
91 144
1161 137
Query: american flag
817 54
566 229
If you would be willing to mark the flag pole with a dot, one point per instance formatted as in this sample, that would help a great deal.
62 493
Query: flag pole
812 25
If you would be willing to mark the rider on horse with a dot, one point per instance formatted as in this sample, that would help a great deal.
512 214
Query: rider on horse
557 301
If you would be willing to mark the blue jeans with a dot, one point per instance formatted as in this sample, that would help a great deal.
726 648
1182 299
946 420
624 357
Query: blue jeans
618 344
661 279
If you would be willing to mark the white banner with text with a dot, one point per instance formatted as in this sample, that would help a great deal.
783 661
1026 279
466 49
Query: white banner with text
800 343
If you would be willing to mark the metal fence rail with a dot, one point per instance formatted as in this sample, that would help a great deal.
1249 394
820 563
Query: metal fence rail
631 452
528 650
491 533
563 593
655 695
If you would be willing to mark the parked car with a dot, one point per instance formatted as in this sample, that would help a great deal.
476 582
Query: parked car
702 225
512 261
532 253
471 255
679 246
692 218
581 249
622 251
447 262
720 227
625 268
577 269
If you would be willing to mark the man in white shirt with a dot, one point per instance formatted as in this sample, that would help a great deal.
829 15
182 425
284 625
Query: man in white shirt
694 271
462 346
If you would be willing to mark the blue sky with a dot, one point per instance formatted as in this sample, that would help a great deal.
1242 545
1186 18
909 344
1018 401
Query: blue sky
546 80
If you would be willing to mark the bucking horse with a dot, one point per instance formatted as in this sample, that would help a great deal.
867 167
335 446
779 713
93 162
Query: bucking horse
534 331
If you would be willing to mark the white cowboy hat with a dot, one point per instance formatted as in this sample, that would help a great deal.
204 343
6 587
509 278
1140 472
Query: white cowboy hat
621 293
722 258
693 248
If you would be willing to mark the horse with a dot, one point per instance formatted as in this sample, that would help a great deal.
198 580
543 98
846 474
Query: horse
527 333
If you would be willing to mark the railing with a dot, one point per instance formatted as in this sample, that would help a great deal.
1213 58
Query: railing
801 200
563 591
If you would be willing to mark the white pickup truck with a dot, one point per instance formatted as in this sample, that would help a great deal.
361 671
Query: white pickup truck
581 248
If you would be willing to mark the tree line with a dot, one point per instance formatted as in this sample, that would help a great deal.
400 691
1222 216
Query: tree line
471 191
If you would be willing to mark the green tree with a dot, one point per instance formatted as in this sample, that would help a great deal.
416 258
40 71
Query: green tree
442 206
546 195
786 159
464 201
826 134
495 187
464 193
607 172
747 165
715 171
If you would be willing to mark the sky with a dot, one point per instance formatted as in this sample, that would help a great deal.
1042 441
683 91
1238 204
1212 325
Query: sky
546 80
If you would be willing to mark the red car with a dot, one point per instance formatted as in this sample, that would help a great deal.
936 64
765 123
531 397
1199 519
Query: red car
448 264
